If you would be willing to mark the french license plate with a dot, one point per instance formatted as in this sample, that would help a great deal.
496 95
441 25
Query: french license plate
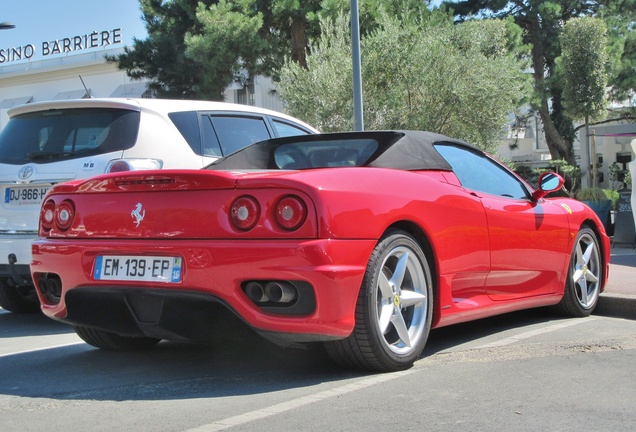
20 195
138 268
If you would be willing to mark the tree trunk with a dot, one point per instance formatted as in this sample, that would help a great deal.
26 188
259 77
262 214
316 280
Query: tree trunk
559 148
299 40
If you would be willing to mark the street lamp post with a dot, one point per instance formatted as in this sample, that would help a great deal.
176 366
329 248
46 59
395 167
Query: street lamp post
358 120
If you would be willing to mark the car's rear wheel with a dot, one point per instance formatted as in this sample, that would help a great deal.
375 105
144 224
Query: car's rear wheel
585 274
18 299
394 308
114 342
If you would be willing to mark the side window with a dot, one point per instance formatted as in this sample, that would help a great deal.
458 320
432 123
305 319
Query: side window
222 134
188 125
284 129
236 132
480 173
211 146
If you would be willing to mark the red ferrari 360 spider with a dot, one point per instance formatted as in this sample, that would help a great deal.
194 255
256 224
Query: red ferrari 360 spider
363 241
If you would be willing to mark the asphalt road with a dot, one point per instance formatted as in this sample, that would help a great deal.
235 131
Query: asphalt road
526 371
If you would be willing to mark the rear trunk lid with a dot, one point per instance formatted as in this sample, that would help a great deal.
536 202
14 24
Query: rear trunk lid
170 204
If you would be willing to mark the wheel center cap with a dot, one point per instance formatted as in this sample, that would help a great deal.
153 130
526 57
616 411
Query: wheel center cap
396 301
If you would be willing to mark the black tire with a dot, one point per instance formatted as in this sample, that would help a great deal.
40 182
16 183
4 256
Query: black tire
585 274
394 308
114 342
18 299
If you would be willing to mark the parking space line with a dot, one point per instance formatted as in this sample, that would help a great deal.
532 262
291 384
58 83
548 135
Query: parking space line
262 413
299 402
536 332
40 349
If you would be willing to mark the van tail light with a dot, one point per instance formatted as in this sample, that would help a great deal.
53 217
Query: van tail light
291 212
122 165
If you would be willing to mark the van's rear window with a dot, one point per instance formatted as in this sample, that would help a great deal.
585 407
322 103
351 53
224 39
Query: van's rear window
49 136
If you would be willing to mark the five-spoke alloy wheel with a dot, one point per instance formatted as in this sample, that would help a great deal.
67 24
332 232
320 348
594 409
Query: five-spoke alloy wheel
394 309
584 276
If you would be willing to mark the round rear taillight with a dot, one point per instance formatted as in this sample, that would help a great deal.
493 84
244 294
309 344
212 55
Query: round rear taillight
64 214
245 212
291 212
47 215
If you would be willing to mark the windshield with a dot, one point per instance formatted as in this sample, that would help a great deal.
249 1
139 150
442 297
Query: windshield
48 136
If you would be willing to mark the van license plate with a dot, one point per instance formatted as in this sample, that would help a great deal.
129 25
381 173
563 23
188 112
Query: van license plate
21 196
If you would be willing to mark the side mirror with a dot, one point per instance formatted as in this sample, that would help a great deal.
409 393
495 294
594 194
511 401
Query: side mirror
548 182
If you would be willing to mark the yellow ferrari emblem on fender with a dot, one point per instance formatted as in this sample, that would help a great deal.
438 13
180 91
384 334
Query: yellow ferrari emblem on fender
567 208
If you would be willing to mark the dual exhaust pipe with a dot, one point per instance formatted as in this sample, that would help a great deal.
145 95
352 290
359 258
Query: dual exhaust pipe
271 291
51 286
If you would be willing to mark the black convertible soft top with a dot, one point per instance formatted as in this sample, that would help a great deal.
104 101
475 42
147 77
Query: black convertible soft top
405 150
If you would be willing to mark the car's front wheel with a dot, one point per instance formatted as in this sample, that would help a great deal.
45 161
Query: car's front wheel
585 274
394 308
114 342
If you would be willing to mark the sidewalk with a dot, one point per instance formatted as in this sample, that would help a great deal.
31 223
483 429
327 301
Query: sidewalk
619 298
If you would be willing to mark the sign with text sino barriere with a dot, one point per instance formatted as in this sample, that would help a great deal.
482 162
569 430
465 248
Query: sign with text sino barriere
44 49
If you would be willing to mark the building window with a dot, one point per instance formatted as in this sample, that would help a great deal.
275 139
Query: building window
245 96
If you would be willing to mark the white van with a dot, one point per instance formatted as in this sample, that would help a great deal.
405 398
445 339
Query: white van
52 142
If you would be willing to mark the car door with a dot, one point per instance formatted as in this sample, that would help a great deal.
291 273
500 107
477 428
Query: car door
528 238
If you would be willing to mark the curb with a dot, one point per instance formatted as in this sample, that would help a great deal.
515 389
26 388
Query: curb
616 306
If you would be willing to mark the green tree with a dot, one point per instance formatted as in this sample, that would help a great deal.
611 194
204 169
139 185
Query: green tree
228 47
321 93
287 26
620 16
370 11
461 80
161 57
583 68
542 22
196 48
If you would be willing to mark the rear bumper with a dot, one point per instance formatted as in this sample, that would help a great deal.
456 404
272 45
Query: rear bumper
212 275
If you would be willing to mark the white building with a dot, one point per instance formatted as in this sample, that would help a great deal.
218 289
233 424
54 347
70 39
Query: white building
27 75
612 143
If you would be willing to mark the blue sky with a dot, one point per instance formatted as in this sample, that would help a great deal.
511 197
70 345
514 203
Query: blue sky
38 21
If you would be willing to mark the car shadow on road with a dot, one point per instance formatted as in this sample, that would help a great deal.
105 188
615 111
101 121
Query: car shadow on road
32 324
239 362
445 338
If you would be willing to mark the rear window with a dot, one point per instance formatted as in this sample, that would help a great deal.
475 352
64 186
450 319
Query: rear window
49 136
324 154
